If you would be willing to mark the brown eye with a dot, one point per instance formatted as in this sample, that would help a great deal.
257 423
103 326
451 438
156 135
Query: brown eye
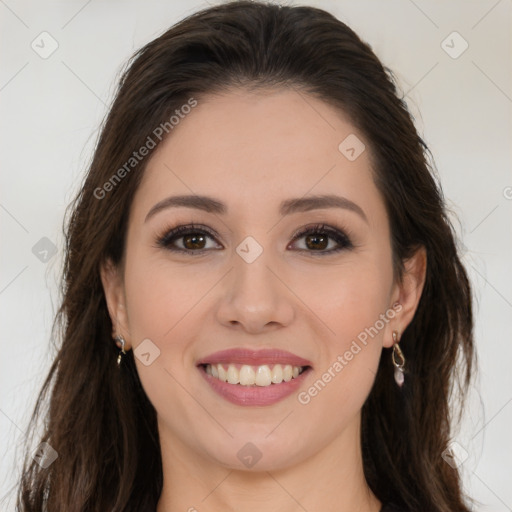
189 239
317 241
194 241
318 238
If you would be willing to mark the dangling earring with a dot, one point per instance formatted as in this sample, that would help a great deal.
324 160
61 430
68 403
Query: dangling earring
122 352
399 366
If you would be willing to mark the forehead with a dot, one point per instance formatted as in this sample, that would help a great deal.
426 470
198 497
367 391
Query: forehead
249 148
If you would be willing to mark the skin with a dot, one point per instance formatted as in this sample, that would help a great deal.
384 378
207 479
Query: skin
251 151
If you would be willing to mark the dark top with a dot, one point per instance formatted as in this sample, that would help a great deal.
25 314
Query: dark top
390 507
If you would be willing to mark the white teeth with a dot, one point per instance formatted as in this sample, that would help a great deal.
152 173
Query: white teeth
233 376
263 376
277 374
222 373
247 375
254 375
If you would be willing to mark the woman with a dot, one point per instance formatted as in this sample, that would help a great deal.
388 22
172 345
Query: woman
263 306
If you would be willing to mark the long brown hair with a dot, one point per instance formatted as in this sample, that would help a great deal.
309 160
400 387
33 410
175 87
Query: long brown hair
99 419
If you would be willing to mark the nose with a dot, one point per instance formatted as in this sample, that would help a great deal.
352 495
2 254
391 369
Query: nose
255 297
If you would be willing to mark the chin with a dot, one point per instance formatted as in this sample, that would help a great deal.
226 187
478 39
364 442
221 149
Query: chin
259 453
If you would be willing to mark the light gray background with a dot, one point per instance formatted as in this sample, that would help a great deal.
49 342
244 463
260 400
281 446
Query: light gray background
51 108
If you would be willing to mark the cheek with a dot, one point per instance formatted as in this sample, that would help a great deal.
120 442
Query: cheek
349 297
357 304
354 307
160 305
160 294
352 300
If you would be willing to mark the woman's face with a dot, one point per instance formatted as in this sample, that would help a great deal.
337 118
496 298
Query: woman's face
250 283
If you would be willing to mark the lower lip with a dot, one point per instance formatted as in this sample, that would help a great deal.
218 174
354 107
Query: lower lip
254 395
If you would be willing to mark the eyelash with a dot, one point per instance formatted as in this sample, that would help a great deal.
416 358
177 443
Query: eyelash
336 234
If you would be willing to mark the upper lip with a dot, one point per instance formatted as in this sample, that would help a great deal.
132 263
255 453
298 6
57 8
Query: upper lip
254 357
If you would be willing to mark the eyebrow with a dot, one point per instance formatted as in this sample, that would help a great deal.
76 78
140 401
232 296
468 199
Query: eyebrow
287 207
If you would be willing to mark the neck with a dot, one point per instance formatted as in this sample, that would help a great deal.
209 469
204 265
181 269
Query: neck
332 479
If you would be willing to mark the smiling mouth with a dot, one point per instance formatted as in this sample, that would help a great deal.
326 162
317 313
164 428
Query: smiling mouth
249 375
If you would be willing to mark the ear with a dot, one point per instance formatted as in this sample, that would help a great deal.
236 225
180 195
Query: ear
113 287
407 292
